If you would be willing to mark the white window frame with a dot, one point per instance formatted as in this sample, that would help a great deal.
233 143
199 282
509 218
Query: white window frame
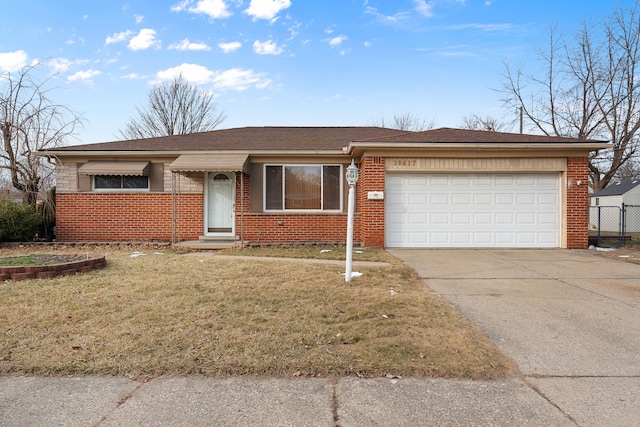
321 166
119 190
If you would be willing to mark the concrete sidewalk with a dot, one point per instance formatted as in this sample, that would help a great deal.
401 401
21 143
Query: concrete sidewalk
196 401
568 318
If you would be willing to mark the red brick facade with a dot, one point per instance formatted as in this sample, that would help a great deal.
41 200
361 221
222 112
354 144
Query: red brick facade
83 217
371 179
283 228
97 217
577 202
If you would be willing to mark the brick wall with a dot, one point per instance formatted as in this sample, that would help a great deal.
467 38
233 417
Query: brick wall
298 228
82 217
372 224
577 203
285 228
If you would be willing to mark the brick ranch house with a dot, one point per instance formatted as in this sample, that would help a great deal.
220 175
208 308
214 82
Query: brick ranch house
286 185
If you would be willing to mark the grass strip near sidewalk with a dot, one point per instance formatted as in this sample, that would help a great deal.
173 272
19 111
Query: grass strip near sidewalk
170 314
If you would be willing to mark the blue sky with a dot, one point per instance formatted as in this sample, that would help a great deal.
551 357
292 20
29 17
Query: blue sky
284 62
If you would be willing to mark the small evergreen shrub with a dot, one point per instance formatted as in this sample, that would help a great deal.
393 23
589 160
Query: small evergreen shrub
18 222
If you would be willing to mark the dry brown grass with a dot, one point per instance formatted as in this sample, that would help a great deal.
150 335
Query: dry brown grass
173 314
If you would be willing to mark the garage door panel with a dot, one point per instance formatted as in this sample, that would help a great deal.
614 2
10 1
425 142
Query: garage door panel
505 218
461 218
461 199
473 210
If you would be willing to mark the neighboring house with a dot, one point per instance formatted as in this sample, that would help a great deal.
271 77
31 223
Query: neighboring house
606 207
617 193
285 185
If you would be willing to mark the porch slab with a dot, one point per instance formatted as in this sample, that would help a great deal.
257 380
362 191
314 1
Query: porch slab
208 244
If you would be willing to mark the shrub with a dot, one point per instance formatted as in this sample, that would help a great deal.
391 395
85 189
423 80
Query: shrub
18 222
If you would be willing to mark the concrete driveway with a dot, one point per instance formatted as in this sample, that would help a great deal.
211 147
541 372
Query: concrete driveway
570 319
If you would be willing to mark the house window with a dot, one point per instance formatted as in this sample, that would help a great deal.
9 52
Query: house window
303 187
120 182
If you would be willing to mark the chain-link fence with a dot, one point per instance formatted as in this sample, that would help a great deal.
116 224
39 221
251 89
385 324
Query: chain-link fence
614 225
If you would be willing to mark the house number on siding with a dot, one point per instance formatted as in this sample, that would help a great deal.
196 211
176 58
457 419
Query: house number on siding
404 164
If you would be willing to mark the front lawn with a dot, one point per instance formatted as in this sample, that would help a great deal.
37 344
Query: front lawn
166 313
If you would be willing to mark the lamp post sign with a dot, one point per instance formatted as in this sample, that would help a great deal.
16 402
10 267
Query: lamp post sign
352 178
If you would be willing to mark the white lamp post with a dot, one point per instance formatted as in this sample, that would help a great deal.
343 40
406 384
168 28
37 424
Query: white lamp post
352 178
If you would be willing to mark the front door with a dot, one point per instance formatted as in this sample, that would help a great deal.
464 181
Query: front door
220 204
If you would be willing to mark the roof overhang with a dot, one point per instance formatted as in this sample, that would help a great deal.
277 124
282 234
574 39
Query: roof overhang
100 167
358 149
218 162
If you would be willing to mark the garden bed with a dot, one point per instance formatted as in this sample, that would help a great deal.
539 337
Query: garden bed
53 265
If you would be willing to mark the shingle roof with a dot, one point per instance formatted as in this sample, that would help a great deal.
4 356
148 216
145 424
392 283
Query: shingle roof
307 138
247 138
449 135
617 188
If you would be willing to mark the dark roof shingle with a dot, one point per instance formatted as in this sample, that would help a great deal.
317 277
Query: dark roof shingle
617 188
307 139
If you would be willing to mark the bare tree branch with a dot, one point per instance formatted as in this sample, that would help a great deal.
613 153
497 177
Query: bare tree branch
587 89
174 108
29 122
404 121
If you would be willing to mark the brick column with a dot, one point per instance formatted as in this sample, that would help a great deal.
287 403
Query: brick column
372 211
577 202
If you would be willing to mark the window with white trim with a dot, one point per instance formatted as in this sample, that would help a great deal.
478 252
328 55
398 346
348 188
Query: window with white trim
120 182
303 187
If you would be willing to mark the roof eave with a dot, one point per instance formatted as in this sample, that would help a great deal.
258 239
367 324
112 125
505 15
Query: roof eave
173 153
357 149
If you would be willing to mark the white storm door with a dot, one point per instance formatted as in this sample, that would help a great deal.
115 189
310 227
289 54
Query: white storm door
220 204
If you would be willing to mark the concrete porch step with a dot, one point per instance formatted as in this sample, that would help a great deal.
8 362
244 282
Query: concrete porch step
209 243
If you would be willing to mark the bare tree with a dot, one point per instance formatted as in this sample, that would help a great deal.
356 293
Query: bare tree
404 121
587 88
30 121
174 108
488 123
629 171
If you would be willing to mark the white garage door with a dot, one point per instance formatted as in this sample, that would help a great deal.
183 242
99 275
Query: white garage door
472 210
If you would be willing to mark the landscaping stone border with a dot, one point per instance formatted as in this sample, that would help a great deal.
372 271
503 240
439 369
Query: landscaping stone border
91 261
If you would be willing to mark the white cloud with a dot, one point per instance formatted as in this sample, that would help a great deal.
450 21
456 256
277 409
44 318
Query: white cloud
424 8
239 79
145 39
337 41
187 45
267 48
191 72
367 44
138 18
215 9
59 65
230 47
13 61
396 19
232 79
118 37
84 76
266 9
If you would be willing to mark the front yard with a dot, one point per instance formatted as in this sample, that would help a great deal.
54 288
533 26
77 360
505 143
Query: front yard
166 313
